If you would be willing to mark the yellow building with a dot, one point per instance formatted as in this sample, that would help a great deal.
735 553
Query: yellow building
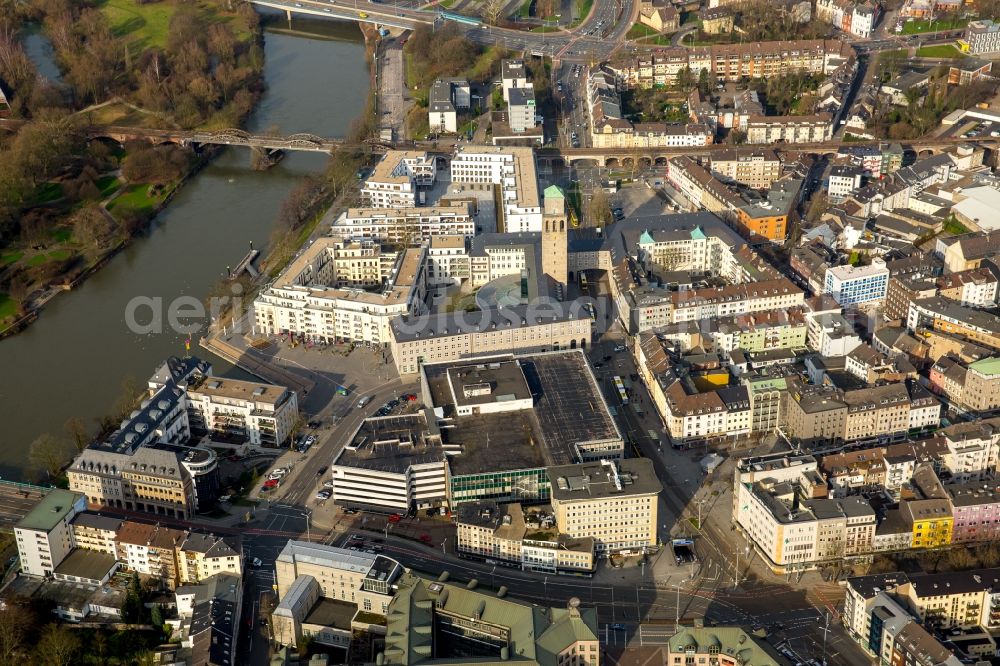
931 519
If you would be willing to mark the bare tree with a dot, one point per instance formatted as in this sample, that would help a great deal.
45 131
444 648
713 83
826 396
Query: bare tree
48 454
78 432
58 646
492 10
14 624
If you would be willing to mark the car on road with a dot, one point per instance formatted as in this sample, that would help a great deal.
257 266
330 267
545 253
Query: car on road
324 494
328 484
321 471
617 626
364 401
314 424
270 484
598 365
395 518
620 348
256 562
310 440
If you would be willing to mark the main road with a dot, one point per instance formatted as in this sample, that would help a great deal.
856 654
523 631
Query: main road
596 38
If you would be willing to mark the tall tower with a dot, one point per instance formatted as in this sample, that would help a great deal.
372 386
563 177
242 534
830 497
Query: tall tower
555 262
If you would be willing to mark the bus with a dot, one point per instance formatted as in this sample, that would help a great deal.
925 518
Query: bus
459 18
583 284
620 387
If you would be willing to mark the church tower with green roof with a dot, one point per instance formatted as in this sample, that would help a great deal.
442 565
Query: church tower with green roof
555 246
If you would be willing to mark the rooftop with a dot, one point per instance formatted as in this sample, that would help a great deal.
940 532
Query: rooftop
86 565
632 476
51 510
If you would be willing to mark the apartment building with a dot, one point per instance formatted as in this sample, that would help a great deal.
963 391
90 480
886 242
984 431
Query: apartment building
827 413
981 37
854 285
322 590
93 531
512 171
526 539
202 555
150 551
44 536
931 519
301 302
513 76
975 509
396 179
902 290
446 98
436 622
405 226
725 646
789 129
753 167
261 414
973 386
612 502
843 181
975 288
944 315
517 329
760 331
855 18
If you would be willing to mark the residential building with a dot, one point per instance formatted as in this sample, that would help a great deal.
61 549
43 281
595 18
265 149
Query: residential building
854 285
973 386
969 70
94 531
446 98
659 15
756 168
513 76
202 555
947 316
404 226
436 622
260 414
512 170
209 615
843 181
716 21
302 302
724 646
151 551
44 536
396 179
613 502
981 37
975 288
975 511
789 129
521 109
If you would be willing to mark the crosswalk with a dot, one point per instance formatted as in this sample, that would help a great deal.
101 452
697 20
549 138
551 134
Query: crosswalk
630 635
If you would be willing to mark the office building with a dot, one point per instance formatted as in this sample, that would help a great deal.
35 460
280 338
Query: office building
512 170
436 622
981 37
854 285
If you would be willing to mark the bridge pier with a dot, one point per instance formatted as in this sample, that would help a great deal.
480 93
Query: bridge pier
262 159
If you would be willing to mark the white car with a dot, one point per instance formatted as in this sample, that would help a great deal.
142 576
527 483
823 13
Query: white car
328 484
257 562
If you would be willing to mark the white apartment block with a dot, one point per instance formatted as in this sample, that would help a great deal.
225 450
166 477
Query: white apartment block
262 413
395 181
448 261
789 129
519 329
513 171
44 537
981 37
851 285
301 302
844 180
405 226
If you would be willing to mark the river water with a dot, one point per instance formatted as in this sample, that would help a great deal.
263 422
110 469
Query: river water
74 359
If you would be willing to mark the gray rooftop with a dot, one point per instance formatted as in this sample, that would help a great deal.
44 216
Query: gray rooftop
633 476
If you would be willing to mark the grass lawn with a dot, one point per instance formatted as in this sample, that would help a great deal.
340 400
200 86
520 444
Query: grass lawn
60 255
584 8
524 11
135 196
108 185
49 192
544 28
147 24
915 27
7 307
61 234
638 31
940 51
447 3
8 258
955 227
659 40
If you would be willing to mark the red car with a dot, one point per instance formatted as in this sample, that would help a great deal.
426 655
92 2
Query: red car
395 518
270 484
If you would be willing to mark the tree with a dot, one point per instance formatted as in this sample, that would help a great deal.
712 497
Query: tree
491 10
91 226
58 646
600 207
156 616
78 432
48 454
704 83
15 623
736 137
685 79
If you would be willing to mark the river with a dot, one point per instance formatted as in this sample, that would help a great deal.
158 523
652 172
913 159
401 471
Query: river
74 359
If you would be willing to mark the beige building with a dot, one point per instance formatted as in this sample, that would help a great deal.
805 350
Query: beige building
94 531
555 243
719 646
325 592
524 538
756 168
512 171
614 502
303 302
203 555
459 334
789 129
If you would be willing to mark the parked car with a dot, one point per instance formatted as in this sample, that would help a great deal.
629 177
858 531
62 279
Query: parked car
328 484
257 562
322 470
395 518
324 494
620 348
364 401
270 484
